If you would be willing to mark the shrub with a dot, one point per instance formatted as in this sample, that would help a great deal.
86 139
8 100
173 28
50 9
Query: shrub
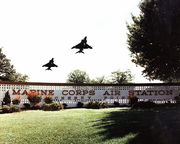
36 106
10 109
177 98
80 104
15 108
65 105
56 106
16 100
52 107
90 104
26 106
7 99
48 99
34 97
144 105
133 100
103 105
6 109
46 107
116 104
97 105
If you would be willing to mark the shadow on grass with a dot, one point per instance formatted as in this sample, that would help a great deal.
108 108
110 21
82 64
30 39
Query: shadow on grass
156 126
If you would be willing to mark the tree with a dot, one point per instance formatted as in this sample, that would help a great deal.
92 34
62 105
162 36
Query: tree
7 99
17 77
119 77
5 67
153 39
78 76
100 80
7 71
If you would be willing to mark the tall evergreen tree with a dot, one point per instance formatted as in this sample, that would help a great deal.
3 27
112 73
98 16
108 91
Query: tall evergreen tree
7 99
154 39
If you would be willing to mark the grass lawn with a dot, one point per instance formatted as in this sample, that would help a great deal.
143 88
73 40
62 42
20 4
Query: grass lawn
88 126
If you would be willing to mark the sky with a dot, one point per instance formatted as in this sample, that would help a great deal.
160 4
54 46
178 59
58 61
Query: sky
34 31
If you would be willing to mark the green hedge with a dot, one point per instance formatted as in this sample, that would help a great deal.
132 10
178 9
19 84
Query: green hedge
97 105
52 107
10 109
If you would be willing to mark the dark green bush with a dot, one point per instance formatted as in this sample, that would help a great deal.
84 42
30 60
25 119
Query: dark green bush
6 109
26 106
16 100
116 104
15 108
36 106
144 105
52 107
90 104
97 105
133 100
56 106
10 109
80 104
65 105
93 104
46 107
103 104
177 98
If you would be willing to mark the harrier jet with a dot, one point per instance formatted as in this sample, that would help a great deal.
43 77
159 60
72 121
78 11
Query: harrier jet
82 45
50 64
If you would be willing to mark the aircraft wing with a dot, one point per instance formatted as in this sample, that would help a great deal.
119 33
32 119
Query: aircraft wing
46 65
50 65
87 47
78 46
54 65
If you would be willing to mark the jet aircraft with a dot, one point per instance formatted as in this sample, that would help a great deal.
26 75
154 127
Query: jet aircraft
50 64
82 45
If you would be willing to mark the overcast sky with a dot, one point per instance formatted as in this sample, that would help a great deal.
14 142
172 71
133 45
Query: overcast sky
34 31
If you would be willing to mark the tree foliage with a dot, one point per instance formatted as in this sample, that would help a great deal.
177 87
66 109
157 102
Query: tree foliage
121 77
5 67
117 77
7 71
100 80
153 39
78 76
17 77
